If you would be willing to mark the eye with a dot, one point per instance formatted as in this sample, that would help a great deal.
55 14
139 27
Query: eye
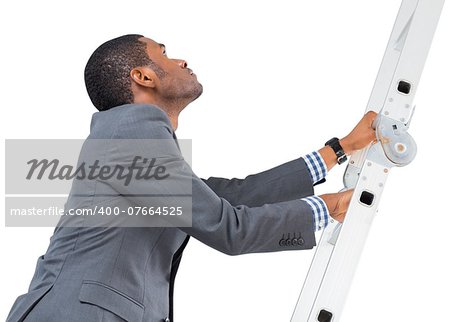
164 52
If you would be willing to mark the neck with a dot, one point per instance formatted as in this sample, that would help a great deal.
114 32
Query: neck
173 117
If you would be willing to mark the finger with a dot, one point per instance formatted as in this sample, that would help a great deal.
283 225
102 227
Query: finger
339 218
371 115
348 195
349 191
374 135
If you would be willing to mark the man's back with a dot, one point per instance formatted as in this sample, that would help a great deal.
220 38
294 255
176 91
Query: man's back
86 268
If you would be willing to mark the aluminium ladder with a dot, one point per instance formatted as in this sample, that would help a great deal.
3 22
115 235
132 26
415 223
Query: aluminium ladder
334 263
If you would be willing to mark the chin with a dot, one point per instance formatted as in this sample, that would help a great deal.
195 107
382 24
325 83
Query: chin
198 91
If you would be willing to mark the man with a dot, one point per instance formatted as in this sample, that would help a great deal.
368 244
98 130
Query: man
127 274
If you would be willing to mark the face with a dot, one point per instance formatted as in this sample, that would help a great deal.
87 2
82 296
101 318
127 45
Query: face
178 82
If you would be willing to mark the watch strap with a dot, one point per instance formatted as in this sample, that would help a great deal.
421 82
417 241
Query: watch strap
338 150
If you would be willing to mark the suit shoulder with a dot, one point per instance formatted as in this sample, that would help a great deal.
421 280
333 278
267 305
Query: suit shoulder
133 121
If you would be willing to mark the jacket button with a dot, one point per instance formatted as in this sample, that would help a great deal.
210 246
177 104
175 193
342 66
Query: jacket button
166 320
301 241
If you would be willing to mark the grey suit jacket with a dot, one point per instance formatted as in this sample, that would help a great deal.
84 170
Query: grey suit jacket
127 274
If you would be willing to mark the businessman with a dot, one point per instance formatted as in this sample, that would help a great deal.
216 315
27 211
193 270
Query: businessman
127 273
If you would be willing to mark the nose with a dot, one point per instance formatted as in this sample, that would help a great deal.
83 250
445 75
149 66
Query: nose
182 63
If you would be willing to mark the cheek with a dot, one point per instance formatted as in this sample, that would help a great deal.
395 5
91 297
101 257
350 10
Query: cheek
178 78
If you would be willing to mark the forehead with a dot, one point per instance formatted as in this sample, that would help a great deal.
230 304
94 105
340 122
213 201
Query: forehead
152 45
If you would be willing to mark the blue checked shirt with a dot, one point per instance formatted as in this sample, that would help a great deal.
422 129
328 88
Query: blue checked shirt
318 171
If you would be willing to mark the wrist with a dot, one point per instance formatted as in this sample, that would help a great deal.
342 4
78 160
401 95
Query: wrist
325 199
347 146
339 152
328 199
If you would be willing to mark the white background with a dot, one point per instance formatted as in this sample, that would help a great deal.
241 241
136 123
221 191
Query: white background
280 78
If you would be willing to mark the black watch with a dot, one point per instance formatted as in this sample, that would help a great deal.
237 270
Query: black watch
337 148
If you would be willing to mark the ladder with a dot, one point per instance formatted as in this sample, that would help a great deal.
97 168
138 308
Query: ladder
333 266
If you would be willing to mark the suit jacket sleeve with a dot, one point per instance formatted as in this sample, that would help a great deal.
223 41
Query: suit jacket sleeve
231 229
238 229
288 181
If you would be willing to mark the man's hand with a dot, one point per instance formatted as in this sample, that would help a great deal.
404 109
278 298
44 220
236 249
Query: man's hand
361 136
337 204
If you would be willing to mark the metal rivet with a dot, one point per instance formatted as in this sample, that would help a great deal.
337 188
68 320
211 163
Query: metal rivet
386 113
400 148
386 170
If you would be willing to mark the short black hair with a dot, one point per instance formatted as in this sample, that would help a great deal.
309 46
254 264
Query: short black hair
107 72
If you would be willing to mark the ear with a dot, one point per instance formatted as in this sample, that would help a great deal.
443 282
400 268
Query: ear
144 76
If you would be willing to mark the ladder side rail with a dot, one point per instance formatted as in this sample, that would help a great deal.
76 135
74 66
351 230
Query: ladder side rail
334 264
